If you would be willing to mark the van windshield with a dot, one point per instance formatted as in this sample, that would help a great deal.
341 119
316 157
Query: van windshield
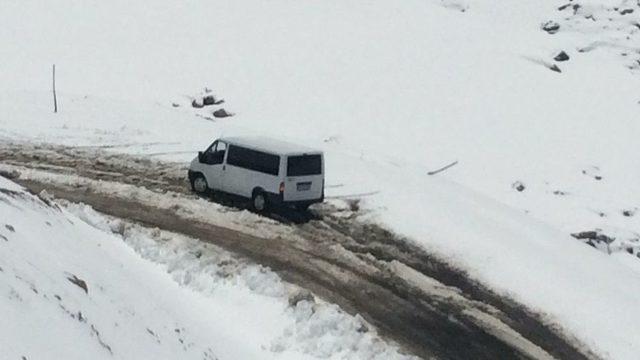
301 165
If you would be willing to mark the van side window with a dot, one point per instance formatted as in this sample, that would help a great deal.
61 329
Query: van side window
253 160
302 165
215 153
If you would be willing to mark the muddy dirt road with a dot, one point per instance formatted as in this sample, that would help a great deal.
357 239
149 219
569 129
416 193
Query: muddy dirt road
430 308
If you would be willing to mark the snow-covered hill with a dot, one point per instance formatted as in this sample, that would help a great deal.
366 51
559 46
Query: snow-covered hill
84 286
390 90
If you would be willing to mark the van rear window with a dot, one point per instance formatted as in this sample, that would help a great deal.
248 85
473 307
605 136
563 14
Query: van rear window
301 165
253 160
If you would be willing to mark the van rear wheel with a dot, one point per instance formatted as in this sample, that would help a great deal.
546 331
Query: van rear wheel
199 184
259 201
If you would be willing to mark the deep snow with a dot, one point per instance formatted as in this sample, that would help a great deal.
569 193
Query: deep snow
389 90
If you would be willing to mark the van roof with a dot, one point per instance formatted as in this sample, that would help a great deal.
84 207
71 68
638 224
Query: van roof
269 145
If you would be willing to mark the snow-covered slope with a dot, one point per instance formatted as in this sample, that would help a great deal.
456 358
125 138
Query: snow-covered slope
390 90
71 288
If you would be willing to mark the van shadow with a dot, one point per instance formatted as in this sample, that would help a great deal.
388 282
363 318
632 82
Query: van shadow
280 213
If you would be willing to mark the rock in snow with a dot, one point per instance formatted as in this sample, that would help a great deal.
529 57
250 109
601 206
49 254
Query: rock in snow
518 186
211 100
222 113
197 104
562 56
593 235
551 27
79 283
555 68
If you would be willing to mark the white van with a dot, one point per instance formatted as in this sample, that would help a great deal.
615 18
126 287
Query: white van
269 172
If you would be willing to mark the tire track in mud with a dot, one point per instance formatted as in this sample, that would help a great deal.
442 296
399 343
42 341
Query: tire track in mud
429 307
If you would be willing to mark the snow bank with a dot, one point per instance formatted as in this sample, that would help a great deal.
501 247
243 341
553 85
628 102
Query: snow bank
107 289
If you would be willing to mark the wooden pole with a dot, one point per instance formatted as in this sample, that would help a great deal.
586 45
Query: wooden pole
55 100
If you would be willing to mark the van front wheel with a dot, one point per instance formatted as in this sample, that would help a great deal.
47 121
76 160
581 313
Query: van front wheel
199 184
259 201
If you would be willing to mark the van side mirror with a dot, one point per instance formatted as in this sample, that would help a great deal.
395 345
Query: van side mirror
200 156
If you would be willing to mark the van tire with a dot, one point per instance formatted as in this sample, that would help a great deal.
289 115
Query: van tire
302 207
199 184
259 201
